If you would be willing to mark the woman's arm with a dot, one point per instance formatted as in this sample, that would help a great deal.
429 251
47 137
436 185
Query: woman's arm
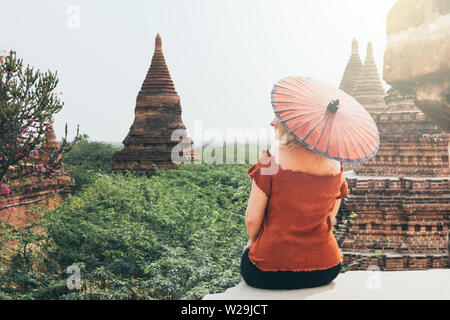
256 209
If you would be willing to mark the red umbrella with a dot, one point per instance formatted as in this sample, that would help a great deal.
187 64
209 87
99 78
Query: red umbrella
325 119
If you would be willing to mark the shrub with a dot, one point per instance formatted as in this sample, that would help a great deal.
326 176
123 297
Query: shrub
86 159
91 155
177 235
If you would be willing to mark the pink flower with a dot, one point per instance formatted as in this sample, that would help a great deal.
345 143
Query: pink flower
5 189
36 152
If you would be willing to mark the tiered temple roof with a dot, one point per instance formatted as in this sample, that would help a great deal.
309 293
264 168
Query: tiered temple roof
368 89
352 70
51 143
158 80
149 142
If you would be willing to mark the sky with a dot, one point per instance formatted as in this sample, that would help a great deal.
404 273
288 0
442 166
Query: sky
224 56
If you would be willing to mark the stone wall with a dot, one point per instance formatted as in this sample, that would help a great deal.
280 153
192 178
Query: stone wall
417 55
397 262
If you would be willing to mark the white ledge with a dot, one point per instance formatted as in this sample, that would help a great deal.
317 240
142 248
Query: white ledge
357 285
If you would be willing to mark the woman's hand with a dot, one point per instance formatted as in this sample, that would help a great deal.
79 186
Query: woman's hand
247 246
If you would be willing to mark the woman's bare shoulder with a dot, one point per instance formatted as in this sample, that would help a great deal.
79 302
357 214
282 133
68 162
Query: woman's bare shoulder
305 161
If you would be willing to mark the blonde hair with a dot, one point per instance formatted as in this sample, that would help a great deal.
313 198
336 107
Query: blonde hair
288 140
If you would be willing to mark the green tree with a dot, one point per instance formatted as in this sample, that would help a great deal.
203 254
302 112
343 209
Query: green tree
91 155
88 158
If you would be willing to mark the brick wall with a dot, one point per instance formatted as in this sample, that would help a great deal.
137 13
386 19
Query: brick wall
395 262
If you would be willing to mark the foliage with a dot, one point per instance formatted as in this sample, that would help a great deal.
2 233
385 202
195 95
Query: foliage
86 159
230 153
25 270
91 155
177 235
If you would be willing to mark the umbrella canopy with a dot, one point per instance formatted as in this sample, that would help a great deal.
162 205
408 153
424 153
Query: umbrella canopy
325 119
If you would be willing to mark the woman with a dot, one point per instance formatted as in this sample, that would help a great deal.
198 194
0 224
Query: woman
294 198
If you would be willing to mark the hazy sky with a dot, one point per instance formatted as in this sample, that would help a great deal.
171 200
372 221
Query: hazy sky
223 56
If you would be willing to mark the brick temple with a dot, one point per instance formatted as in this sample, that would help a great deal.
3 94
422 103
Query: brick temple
149 143
31 190
401 195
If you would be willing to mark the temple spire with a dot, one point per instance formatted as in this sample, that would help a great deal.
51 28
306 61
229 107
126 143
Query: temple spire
369 55
51 143
158 44
355 50
158 80
352 70
369 90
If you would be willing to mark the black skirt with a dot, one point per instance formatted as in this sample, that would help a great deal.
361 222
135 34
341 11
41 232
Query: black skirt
257 278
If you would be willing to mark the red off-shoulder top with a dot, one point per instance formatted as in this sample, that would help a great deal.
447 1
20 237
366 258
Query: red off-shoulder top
296 234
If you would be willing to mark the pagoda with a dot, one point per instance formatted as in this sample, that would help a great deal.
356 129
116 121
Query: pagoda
157 135
401 196
50 145
352 70
368 89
